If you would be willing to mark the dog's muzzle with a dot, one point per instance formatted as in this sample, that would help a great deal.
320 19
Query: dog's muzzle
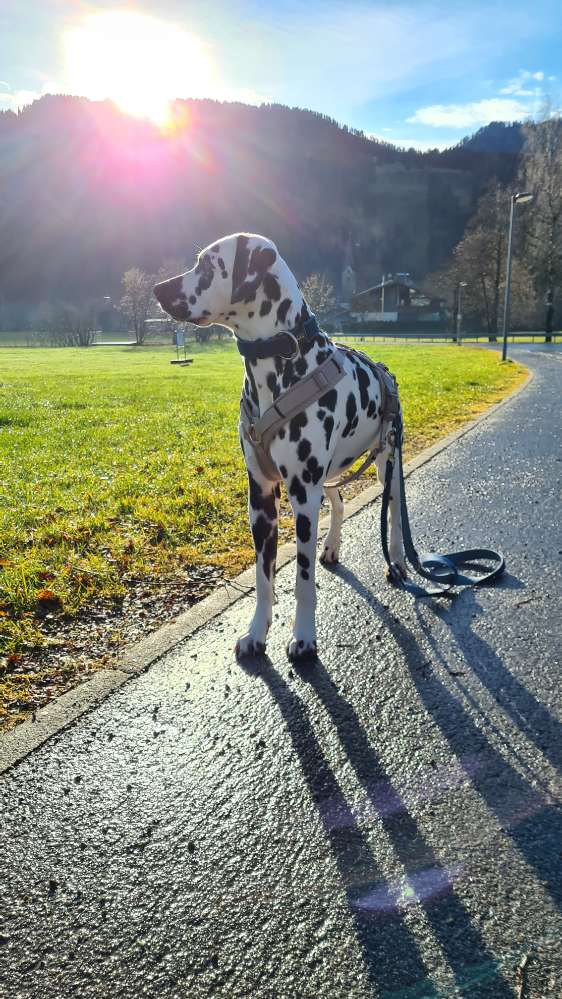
172 298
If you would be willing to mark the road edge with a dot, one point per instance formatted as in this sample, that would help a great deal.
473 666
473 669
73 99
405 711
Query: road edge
17 743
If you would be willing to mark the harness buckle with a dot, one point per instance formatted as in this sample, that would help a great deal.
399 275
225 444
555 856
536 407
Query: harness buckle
252 435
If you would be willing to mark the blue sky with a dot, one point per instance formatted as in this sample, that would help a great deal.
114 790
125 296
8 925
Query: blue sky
413 73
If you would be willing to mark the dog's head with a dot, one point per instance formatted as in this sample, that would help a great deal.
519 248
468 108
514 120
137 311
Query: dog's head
240 282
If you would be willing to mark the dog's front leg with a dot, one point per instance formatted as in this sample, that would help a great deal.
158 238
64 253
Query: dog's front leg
263 507
331 550
303 642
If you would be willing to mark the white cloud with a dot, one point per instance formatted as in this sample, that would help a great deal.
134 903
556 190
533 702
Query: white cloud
472 114
241 94
519 85
13 101
422 145
519 99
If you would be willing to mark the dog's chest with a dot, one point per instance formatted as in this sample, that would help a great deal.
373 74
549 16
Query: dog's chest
330 433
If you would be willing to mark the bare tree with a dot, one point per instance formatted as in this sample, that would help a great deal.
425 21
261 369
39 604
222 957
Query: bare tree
542 175
171 267
480 260
69 325
319 294
137 300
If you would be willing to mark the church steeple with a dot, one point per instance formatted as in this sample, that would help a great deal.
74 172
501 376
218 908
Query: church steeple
348 277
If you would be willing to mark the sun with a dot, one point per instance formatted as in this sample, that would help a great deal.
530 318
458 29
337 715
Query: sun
139 62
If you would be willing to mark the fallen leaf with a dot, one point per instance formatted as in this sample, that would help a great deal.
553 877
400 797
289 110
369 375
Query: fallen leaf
48 596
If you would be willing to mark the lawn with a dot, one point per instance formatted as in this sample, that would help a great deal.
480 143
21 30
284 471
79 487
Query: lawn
117 466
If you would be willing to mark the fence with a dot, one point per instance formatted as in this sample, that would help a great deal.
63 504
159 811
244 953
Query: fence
441 336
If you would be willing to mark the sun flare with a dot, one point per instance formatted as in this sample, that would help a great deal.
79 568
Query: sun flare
139 62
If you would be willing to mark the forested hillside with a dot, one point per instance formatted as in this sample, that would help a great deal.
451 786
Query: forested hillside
87 191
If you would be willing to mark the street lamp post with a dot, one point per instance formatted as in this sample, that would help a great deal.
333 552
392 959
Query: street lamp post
522 198
460 286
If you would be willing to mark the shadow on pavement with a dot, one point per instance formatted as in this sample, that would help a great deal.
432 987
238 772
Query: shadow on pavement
391 952
529 817
530 716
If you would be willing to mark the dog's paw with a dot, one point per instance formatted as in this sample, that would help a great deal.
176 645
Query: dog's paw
247 645
300 650
396 573
329 555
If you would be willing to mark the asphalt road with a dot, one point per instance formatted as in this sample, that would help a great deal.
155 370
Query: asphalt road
386 823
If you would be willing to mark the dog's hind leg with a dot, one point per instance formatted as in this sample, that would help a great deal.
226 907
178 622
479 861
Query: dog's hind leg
396 541
305 510
331 549
263 506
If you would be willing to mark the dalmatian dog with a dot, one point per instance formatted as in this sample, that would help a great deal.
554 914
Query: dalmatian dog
242 282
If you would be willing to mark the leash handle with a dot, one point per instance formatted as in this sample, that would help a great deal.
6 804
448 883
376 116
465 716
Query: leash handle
433 566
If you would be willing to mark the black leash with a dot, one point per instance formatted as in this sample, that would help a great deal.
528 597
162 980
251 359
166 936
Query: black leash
437 568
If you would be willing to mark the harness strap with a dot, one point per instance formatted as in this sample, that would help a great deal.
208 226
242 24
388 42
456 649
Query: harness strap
260 432
437 568
389 410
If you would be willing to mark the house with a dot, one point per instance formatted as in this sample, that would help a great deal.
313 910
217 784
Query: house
397 300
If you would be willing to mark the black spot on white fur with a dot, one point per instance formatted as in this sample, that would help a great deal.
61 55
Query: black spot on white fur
261 529
329 400
351 414
328 427
273 385
303 527
296 425
297 490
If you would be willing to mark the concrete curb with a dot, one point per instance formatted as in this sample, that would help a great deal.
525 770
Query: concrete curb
19 742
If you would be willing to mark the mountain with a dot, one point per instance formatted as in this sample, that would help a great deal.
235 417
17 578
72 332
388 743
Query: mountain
87 191
497 137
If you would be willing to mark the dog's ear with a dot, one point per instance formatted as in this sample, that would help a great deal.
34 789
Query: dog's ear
262 259
240 266
250 271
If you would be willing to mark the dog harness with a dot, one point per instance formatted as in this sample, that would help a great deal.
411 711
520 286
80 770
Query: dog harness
260 431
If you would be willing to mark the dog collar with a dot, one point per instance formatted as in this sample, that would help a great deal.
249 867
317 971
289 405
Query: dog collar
286 344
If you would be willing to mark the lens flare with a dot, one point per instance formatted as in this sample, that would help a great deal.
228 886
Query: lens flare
139 62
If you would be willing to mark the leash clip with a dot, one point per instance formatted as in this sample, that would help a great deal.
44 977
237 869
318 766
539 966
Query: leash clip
392 443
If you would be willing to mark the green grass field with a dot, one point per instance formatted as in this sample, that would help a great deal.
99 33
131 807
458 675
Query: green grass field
116 465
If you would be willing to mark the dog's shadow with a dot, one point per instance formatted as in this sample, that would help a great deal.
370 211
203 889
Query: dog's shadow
532 816
391 950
